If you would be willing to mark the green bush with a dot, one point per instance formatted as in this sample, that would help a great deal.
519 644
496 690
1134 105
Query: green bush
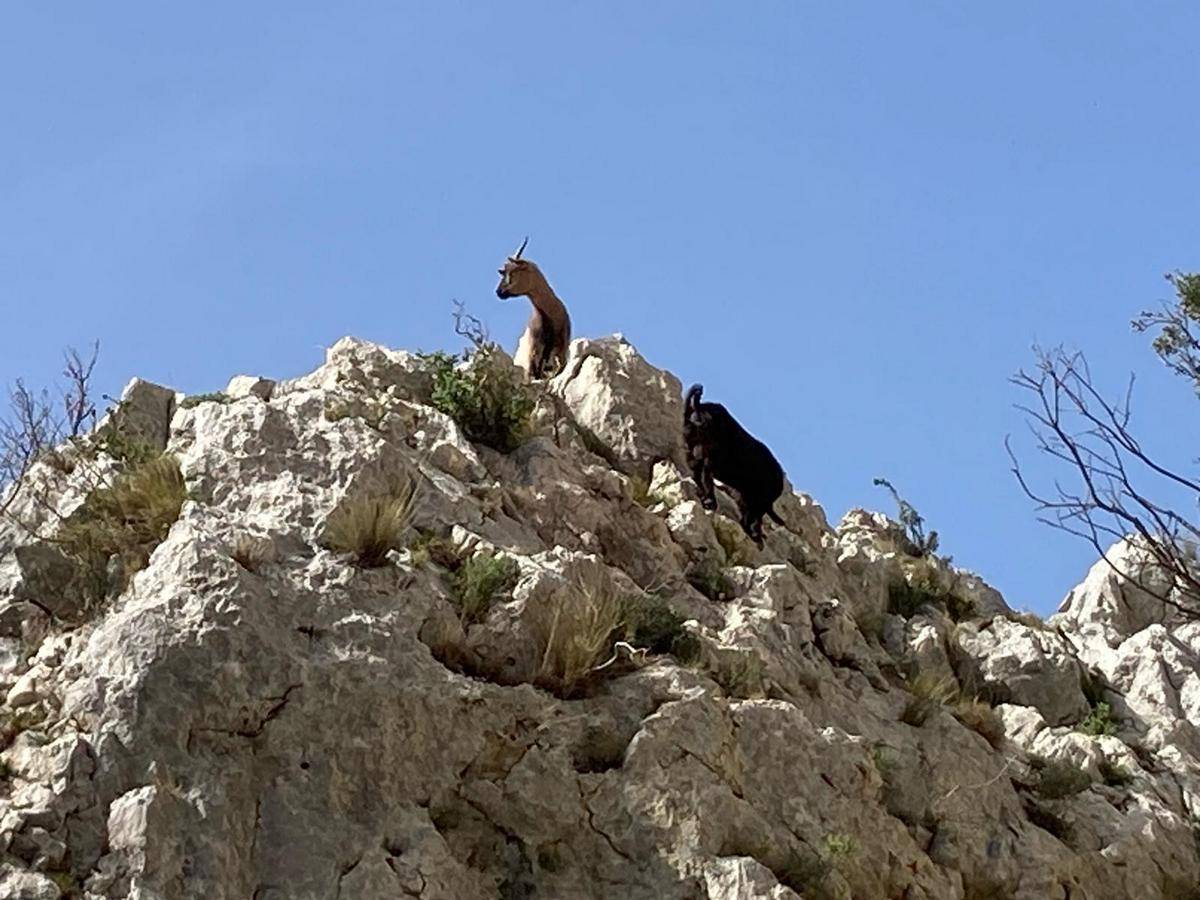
479 581
192 400
372 526
125 520
1100 721
707 576
1115 774
652 624
923 588
1057 778
487 397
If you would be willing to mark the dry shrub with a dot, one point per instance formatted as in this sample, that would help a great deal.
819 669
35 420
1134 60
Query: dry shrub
370 527
929 694
125 520
250 552
576 633
979 716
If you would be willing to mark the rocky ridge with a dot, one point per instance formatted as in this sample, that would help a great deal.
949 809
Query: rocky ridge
851 721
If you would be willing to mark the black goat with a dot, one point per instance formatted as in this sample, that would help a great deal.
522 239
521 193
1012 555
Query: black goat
718 447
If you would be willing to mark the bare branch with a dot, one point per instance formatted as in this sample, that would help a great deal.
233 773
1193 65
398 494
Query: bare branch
32 427
1072 422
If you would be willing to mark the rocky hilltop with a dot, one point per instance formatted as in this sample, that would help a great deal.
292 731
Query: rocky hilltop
567 680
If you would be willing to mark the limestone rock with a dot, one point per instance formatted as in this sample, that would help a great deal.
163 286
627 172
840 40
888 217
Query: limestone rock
256 715
633 409
249 386
1018 664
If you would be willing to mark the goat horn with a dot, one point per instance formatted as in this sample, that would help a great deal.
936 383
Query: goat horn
521 249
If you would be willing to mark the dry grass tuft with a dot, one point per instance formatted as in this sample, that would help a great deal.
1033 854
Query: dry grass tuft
371 527
125 520
577 634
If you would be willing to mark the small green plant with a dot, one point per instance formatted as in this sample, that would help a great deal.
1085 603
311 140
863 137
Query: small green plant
576 634
707 576
125 520
1058 778
929 694
432 548
370 527
651 623
1100 721
66 883
639 489
840 846
922 544
923 587
479 582
1114 774
486 396
193 400
885 759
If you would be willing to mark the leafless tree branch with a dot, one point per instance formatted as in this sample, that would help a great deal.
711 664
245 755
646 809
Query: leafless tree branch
1073 422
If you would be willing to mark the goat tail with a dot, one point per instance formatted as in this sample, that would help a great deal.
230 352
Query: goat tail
775 517
693 398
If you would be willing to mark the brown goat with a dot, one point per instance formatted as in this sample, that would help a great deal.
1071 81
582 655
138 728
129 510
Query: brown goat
542 350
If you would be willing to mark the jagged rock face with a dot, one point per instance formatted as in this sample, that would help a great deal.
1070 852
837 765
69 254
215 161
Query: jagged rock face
302 727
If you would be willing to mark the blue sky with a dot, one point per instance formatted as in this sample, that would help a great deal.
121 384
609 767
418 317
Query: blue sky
849 221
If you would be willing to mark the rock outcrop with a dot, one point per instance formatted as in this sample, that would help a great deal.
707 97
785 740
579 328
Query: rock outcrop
254 715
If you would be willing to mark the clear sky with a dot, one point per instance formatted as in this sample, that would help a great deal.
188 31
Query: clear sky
849 221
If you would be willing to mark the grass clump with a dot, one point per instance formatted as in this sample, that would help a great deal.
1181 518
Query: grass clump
249 552
707 576
1114 774
929 694
923 588
479 581
192 400
979 716
125 520
486 397
576 634
1100 721
372 526
650 623
1058 778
